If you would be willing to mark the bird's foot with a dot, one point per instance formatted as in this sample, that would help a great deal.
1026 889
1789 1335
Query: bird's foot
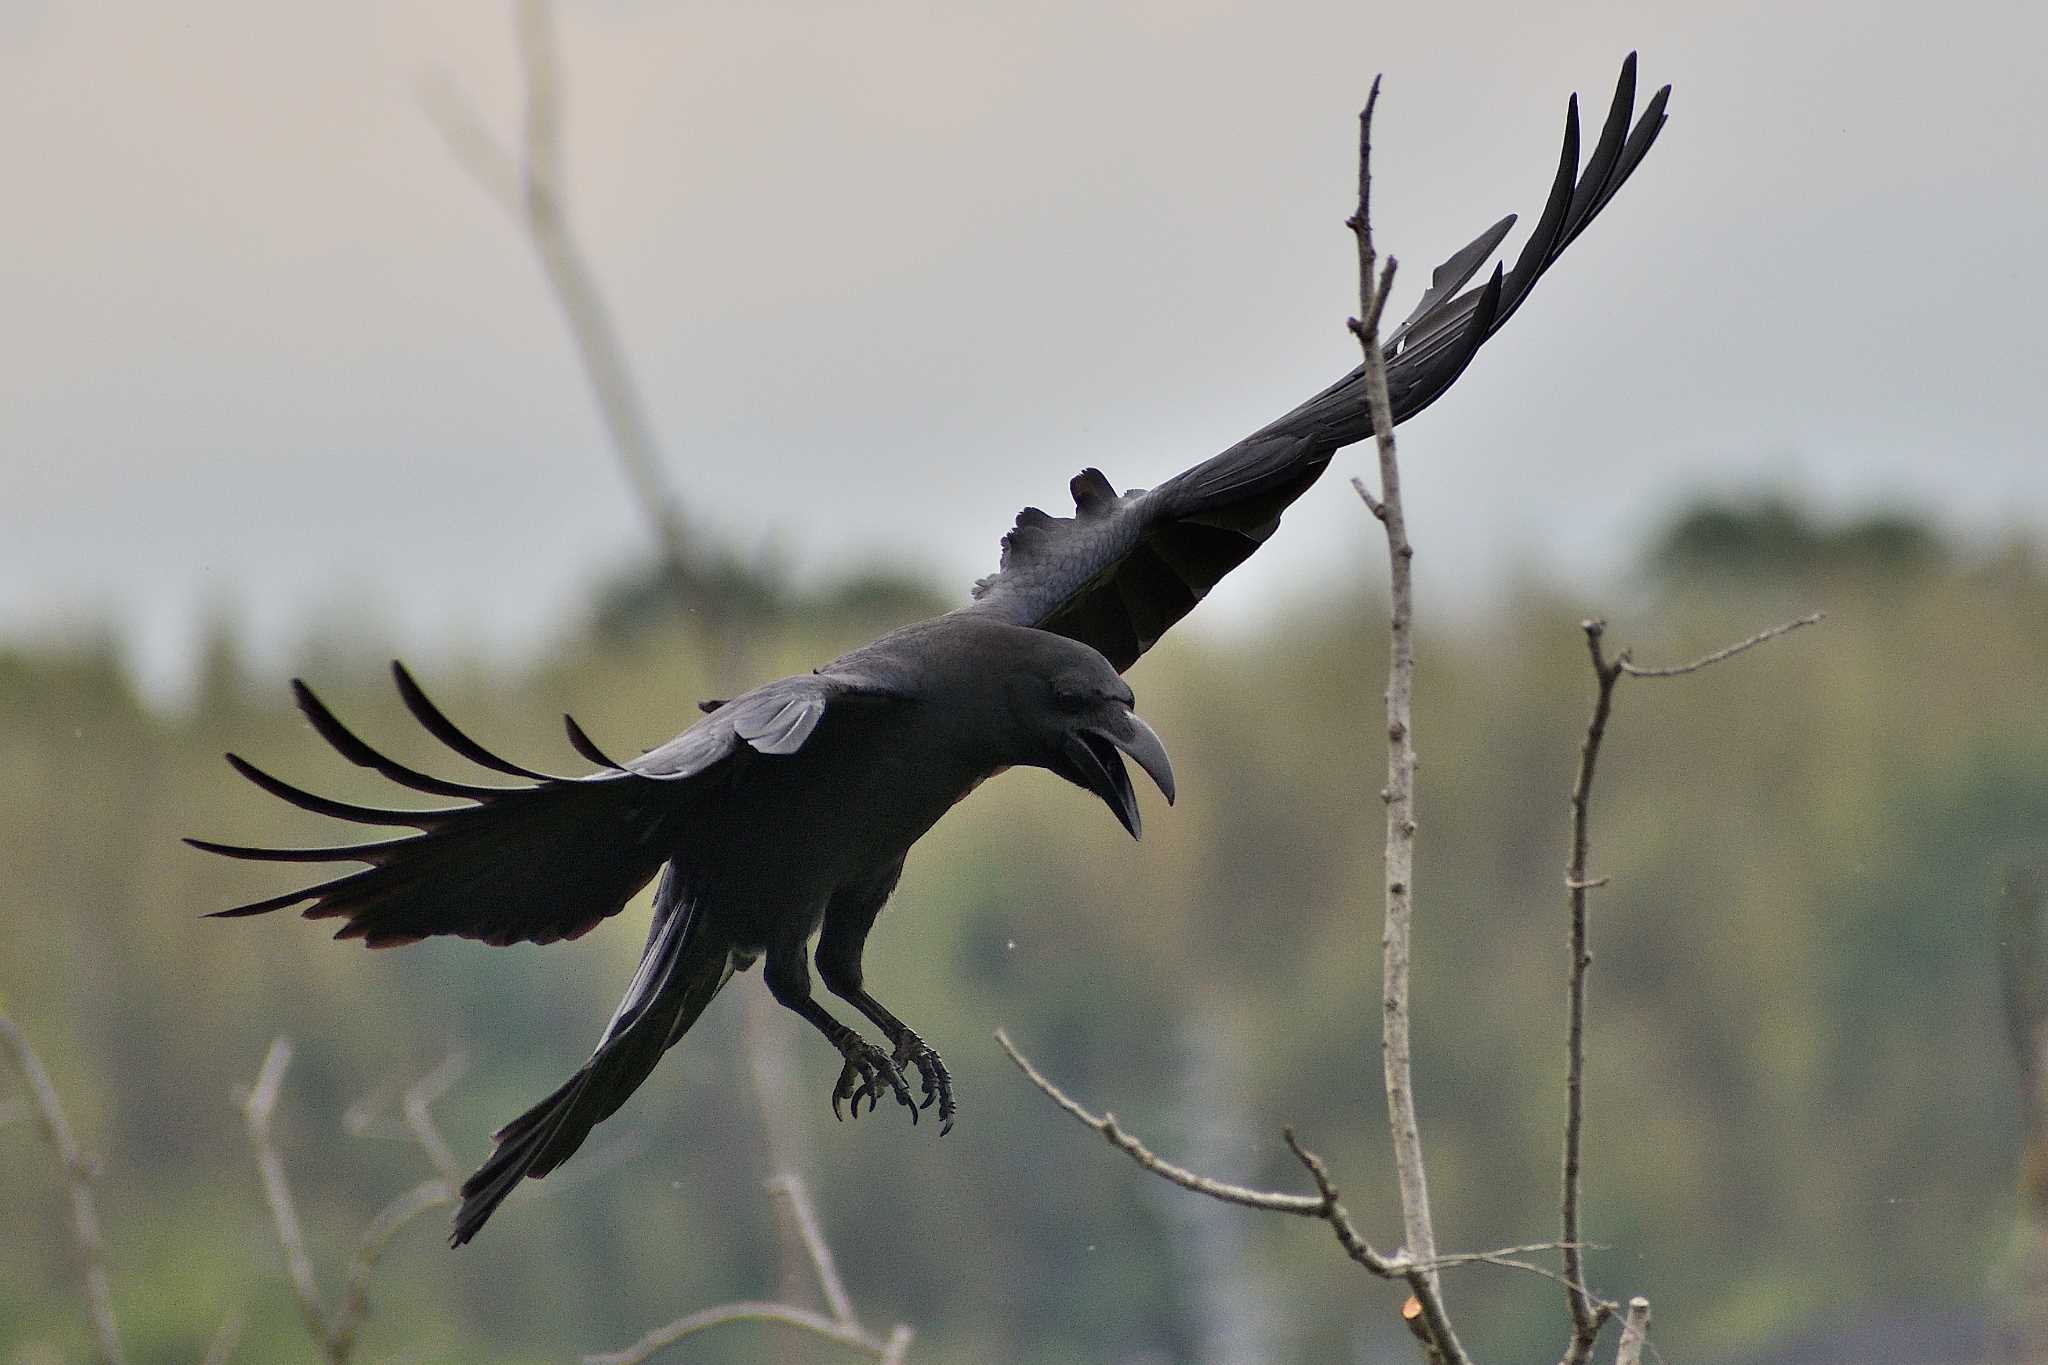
867 1073
933 1079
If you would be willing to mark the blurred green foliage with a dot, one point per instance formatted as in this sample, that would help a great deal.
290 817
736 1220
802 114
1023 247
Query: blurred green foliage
1800 1093
1773 536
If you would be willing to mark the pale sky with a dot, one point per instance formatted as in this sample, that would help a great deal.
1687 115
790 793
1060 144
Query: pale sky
889 271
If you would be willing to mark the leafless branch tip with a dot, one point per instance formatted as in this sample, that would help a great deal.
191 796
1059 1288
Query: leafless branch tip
335 1332
840 1325
1308 1206
78 1171
1628 666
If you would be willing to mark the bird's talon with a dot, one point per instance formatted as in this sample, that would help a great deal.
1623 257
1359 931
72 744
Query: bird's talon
868 1075
932 1077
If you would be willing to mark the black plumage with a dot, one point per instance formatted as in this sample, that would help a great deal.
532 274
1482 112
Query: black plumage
787 811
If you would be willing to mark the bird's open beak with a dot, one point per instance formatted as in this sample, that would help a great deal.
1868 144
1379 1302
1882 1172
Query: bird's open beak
1095 752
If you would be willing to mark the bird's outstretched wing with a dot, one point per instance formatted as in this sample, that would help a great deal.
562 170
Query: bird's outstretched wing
1120 571
532 863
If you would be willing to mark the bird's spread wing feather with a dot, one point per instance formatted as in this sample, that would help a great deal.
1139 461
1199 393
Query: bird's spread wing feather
533 863
1120 571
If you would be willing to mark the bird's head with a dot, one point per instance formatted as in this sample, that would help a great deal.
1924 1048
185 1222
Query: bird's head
1078 713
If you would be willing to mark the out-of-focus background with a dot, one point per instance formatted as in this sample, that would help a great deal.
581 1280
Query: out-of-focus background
284 393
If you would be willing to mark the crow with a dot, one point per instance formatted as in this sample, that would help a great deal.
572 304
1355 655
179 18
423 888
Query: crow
787 811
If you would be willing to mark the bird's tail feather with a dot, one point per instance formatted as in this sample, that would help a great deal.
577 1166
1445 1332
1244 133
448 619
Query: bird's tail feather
680 973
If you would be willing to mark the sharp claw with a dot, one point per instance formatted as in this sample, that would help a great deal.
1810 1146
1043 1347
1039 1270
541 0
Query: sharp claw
870 1073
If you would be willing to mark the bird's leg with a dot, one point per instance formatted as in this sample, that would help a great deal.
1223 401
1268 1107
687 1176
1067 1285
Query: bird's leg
868 1069
839 949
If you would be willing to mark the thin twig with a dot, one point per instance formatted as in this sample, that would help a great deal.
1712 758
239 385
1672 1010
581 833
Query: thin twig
531 188
1589 1312
1396 1068
257 1108
1635 1332
335 1333
781 1314
470 143
417 1107
1327 1205
766 1047
841 1326
1372 504
1510 1258
1333 1212
1587 1317
78 1177
376 1238
790 1189
1708 660
1308 1206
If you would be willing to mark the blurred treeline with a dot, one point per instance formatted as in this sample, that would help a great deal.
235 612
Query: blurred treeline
1801 1094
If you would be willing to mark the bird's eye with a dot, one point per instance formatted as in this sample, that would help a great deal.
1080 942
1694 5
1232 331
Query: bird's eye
1069 698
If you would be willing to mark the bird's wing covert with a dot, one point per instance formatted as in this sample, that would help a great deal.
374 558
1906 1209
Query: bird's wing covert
775 718
1125 567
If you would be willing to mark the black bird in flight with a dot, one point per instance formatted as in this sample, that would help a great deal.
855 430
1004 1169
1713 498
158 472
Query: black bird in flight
787 811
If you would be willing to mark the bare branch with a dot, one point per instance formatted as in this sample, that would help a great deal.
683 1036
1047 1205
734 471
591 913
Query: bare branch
782 1314
257 1108
1333 1212
797 1200
389 1222
1511 1258
1399 795
1587 1317
1305 1205
1635 1332
417 1107
790 1189
1360 223
1709 660
470 142
1420 1276
78 1177
335 1334
543 125
531 189
1372 504
1589 1313
1328 1205
842 1326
